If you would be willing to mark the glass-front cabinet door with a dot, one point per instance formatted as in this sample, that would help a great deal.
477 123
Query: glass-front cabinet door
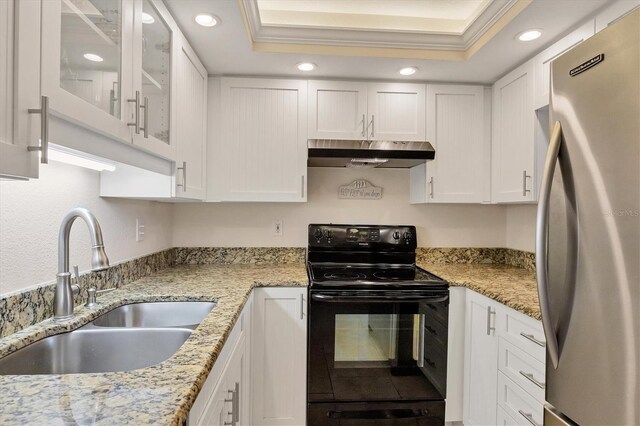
153 54
86 62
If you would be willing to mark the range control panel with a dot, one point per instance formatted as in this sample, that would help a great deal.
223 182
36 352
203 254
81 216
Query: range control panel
363 237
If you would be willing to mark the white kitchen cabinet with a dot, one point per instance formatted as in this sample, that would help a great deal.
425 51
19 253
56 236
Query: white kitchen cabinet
19 77
542 61
517 403
458 123
337 110
279 344
514 159
225 396
614 11
371 111
481 361
262 145
191 124
396 111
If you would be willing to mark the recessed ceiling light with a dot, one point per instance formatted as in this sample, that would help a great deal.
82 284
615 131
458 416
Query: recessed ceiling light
306 66
529 35
93 57
408 71
147 19
207 20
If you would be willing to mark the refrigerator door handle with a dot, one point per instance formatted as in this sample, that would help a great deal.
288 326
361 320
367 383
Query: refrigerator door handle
542 240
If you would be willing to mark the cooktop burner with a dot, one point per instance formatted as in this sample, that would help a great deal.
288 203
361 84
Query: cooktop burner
332 274
344 275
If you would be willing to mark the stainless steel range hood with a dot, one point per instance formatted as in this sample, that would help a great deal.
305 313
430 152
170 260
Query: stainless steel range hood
381 154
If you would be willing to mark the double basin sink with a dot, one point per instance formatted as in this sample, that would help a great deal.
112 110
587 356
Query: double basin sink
126 338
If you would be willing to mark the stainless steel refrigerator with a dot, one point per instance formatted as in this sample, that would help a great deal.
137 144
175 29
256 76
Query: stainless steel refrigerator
588 232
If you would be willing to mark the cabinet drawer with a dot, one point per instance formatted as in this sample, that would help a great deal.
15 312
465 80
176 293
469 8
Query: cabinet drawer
523 369
517 403
524 332
504 419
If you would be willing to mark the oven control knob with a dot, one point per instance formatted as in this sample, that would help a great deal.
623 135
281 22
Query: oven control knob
318 234
328 234
407 236
396 235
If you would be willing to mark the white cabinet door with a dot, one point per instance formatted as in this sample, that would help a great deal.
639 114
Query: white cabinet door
279 344
262 152
85 71
513 147
337 110
154 76
191 125
396 111
542 61
481 361
19 76
456 124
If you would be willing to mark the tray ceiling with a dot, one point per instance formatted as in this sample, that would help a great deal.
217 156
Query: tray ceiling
425 29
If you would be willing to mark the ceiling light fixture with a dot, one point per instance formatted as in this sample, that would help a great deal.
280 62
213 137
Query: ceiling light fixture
77 158
147 19
306 66
529 35
93 57
408 71
207 20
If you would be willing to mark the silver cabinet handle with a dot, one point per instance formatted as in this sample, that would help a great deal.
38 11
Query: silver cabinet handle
529 376
302 306
421 341
44 129
490 312
529 418
364 120
302 186
532 338
145 106
184 175
136 106
542 240
525 176
431 187
236 405
372 124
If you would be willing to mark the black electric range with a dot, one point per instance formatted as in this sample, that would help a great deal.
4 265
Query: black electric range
377 329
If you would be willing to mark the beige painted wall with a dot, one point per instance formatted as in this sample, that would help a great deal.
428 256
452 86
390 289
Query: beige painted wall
521 227
250 224
30 215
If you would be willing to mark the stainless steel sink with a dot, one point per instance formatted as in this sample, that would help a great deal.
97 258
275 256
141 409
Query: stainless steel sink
157 314
96 350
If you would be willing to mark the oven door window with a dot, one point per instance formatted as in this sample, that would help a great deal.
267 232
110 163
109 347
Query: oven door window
362 351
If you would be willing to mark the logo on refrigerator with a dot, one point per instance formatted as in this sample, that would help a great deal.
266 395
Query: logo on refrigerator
587 65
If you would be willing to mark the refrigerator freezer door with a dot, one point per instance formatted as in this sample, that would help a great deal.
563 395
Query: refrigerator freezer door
593 248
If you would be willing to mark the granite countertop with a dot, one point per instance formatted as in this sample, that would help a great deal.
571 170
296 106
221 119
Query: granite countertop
511 286
161 394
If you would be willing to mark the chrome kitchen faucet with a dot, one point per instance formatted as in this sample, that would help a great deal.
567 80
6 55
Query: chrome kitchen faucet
63 300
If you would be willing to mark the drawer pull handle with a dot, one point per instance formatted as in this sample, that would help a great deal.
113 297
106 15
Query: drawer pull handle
529 418
529 376
533 339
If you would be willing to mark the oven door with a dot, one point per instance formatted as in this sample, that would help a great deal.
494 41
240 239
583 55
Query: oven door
384 346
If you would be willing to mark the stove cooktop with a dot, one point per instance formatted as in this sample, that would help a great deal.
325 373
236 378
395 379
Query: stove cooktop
359 275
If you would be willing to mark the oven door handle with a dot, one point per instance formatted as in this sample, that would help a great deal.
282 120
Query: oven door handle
379 299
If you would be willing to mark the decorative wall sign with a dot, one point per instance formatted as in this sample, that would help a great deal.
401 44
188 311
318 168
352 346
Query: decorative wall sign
360 189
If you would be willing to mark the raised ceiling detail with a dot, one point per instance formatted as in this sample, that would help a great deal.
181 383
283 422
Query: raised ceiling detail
422 29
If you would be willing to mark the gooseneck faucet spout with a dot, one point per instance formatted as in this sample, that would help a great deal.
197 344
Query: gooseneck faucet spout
63 299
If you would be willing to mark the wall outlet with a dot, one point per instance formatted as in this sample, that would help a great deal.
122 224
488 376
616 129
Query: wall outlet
140 230
277 228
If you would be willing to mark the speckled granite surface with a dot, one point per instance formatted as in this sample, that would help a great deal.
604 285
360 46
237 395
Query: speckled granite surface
504 256
235 255
162 394
509 285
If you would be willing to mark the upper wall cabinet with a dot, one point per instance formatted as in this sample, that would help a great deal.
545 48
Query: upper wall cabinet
542 61
261 147
371 111
19 77
513 148
458 125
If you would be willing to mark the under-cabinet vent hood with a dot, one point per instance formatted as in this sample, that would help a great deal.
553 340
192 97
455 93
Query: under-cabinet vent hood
381 154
